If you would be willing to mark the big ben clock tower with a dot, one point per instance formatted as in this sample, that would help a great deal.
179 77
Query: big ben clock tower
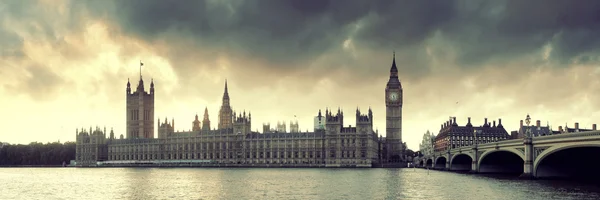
393 115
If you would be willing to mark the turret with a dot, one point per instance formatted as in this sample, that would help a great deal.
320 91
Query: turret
241 124
334 122
206 120
196 124
371 115
364 121
140 87
152 86
226 92
128 87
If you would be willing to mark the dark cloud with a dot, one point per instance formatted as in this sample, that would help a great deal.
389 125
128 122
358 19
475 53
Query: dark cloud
41 83
288 34
305 37
292 34
504 30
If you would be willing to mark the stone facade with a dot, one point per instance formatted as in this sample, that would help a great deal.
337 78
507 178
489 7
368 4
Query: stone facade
234 144
91 146
336 146
452 135
140 111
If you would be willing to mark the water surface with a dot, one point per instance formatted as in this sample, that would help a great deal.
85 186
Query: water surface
213 183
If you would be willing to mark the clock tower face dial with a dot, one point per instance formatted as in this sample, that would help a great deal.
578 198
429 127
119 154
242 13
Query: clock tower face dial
393 96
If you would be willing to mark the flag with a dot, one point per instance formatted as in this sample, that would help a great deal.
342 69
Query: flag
141 69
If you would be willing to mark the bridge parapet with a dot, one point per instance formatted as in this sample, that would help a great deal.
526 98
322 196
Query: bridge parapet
567 135
501 143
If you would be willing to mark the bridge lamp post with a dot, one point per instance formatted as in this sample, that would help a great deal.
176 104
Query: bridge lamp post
474 168
527 142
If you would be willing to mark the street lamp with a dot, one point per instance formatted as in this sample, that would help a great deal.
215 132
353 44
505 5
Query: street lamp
527 141
528 130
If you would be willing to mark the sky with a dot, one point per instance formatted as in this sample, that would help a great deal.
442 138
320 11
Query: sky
65 64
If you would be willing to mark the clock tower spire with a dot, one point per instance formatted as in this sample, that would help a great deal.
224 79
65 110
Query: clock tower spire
393 115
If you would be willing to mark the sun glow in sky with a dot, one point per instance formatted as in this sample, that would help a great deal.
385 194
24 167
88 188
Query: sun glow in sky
65 64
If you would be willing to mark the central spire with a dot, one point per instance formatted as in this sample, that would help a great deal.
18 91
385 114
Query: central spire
394 70
226 93
225 114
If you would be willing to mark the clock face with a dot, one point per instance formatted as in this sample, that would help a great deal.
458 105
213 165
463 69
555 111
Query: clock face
393 96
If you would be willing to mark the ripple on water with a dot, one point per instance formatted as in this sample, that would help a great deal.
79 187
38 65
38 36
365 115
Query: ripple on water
199 183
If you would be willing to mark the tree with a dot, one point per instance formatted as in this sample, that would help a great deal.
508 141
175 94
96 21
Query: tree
36 153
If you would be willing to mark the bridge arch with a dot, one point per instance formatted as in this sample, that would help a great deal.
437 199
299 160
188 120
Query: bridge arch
571 160
461 162
504 161
440 162
455 155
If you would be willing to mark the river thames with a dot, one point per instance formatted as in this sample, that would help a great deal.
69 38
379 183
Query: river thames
213 183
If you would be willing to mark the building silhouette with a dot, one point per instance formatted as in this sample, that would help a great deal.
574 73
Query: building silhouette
233 143
393 103
452 135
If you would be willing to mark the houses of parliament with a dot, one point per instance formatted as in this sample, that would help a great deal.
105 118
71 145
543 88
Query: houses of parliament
233 143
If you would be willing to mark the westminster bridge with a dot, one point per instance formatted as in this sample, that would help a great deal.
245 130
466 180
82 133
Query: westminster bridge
564 155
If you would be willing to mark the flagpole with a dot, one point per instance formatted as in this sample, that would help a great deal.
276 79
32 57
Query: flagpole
141 69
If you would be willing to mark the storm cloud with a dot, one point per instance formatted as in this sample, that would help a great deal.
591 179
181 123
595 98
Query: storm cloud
292 33
537 54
